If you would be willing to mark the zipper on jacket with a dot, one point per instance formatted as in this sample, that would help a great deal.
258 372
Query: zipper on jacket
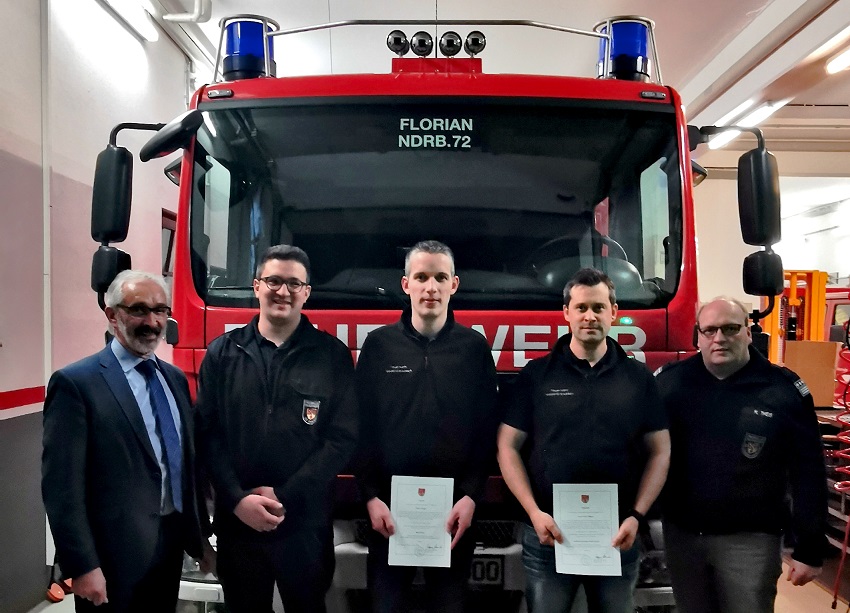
264 376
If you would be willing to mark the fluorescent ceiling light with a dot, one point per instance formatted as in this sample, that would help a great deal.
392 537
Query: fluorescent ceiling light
728 117
723 139
762 113
753 119
833 43
838 63
132 14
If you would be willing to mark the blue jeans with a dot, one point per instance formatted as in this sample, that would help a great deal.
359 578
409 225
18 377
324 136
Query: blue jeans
734 573
549 592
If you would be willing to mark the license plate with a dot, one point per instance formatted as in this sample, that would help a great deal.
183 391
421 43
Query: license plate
487 571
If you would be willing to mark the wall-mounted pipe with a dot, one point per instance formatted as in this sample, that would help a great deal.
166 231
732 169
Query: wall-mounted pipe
200 14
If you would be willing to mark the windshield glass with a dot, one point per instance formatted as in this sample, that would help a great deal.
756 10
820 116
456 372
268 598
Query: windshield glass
525 192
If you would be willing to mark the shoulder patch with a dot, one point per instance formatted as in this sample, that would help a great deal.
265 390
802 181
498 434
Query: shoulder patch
802 387
666 368
798 382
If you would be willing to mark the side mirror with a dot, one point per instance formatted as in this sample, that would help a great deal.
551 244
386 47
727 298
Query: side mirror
758 198
111 195
172 332
763 275
106 263
174 135
172 171
698 174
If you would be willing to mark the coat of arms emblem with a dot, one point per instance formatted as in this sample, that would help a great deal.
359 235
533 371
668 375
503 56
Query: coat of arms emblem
310 411
752 445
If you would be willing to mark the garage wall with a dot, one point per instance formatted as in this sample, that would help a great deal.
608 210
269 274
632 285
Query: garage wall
22 532
70 74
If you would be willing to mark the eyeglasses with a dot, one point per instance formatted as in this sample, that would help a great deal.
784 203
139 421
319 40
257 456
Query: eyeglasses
274 283
141 310
726 330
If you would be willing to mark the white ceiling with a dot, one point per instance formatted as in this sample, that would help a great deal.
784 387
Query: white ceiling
717 54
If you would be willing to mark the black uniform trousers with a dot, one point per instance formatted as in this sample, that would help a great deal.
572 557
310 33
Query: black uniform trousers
391 586
298 559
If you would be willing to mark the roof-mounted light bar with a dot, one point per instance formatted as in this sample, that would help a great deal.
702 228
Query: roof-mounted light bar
628 52
623 29
422 44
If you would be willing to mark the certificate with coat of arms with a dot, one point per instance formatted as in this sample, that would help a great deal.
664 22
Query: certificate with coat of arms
420 507
588 518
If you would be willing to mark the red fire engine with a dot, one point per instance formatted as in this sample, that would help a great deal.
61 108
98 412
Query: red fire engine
527 178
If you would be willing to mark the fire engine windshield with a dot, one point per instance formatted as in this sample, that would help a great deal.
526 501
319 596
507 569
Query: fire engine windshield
525 192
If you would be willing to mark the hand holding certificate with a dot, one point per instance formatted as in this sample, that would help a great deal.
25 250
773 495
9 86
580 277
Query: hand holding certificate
420 507
587 516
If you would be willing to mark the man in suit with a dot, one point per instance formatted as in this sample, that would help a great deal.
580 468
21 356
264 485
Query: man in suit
118 461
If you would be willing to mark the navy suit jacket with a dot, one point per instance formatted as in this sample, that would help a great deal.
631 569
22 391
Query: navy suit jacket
101 482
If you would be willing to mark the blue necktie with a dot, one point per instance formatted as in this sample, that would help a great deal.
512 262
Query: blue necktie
167 431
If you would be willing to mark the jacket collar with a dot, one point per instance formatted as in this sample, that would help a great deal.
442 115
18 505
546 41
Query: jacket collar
562 353
406 325
756 369
247 334
113 373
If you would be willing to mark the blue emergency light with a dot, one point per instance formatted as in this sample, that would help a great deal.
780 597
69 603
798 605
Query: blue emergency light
628 58
244 55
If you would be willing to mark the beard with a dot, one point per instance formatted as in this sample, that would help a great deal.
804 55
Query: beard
134 340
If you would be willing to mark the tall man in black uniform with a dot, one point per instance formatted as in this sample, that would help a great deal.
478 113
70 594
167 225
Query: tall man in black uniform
277 421
743 431
427 389
585 413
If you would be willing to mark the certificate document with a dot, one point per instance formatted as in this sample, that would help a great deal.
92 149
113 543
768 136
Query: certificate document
588 519
420 507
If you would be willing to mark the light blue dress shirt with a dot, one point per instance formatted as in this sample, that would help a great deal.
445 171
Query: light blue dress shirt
139 387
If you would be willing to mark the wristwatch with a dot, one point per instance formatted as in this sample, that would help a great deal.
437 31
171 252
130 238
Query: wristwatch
638 516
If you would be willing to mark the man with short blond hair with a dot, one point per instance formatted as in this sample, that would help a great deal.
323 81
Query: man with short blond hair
427 389
744 433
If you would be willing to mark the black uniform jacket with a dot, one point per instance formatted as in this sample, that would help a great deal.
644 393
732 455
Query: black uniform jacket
101 481
585 425
737 446
428 406
292 427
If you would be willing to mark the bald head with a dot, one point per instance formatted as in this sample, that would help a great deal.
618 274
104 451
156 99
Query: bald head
724 337
734 303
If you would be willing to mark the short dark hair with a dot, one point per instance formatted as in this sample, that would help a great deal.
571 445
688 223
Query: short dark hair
284 252
590 277
434 247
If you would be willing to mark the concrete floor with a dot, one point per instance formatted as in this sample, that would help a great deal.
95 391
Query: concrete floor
810 598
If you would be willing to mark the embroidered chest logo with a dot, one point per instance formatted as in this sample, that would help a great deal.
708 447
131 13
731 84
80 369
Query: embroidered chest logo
559 392
397 369
310 411
752 445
